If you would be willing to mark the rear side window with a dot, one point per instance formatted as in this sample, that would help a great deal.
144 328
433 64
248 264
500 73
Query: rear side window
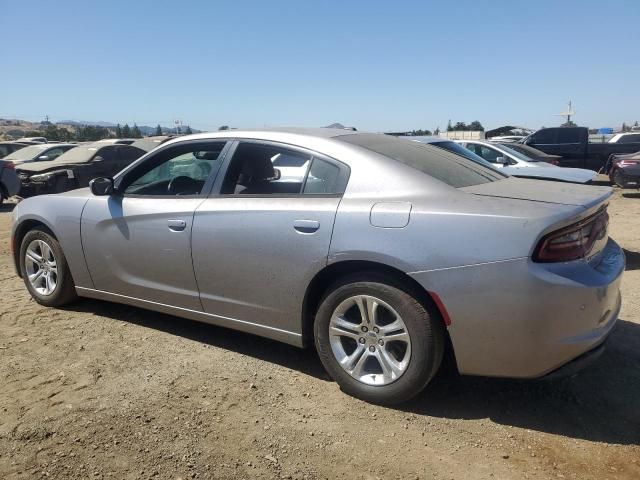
449 168
568 135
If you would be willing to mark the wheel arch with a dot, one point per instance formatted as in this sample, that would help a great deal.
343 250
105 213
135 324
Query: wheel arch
24 227
333 272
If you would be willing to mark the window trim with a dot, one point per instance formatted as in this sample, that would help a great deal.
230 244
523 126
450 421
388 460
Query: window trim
121 180
345 171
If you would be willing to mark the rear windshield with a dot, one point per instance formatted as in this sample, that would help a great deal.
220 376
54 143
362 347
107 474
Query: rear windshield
451 169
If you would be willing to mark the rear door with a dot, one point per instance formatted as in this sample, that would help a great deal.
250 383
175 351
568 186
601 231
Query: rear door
259 241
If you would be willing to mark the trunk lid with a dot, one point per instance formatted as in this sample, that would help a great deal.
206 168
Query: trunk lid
585 196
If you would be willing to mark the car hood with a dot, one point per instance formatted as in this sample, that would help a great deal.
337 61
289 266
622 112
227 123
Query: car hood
33 167
546 192
574 175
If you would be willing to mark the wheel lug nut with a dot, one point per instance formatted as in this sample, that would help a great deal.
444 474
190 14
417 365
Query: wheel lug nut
376 329
372 348
365 329
380 342
362 340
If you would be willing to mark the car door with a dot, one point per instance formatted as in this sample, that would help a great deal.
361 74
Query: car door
137 242
259 241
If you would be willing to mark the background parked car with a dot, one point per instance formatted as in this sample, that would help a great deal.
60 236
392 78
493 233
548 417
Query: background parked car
7 148
628 137
149 143
573 145
542 172
532 153
32 140
9 181
39 153
625 170
75 168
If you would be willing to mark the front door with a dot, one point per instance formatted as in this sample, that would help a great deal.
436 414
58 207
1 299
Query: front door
138 241
257 245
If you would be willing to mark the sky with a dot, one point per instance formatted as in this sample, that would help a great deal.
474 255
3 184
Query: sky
375 65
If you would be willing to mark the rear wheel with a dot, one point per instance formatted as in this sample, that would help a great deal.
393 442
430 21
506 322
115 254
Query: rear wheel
45 270
376 340
618 178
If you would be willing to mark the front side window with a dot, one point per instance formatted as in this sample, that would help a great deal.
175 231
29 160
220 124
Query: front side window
181 170
542 137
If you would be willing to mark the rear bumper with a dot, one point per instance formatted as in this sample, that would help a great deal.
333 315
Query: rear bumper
577 364
521 319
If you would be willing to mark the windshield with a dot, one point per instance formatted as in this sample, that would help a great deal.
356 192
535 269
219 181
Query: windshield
454 170
77 154
518 155
27 153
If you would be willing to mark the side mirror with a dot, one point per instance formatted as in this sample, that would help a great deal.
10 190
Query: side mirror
43 158
101 186
504 161
277 174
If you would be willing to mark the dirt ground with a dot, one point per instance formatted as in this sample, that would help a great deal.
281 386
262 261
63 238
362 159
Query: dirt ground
107 391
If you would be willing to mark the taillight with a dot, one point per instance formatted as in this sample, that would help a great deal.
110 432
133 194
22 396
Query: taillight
572 242
626 163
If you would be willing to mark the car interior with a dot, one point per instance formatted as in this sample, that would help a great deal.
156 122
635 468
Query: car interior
252 171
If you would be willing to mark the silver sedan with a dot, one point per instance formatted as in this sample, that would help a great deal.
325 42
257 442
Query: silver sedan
382 253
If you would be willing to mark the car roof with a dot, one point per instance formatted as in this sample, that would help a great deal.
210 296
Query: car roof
425 138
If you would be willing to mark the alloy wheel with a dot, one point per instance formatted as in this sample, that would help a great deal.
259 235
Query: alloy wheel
370 340
41 267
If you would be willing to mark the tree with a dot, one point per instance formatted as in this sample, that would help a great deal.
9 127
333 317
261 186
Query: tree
188 131
460 126
476 126
224 127
135 132
118 131
126 131
436 132
158 130
449 127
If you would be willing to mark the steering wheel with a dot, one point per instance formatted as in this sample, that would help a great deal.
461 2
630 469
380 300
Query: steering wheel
183 185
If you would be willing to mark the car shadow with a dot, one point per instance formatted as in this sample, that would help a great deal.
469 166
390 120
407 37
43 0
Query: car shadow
601 403
635 194
303 360
633 259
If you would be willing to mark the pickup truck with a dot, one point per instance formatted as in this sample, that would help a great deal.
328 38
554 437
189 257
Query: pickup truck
573 145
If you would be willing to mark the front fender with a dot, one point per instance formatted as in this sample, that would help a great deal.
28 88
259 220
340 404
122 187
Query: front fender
61 214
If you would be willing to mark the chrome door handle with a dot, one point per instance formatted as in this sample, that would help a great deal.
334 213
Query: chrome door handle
306 226
176 225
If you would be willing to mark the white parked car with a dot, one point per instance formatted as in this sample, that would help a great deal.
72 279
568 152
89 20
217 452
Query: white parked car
518 164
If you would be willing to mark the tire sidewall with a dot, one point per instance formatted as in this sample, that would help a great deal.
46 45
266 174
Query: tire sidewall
426 341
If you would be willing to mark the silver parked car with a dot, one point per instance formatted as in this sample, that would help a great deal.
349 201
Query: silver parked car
380 251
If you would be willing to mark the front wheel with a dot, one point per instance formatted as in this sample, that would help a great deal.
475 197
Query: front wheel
377 340
45 270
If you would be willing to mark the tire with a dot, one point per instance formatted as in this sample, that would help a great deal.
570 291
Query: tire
618 179
43 291
420 356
